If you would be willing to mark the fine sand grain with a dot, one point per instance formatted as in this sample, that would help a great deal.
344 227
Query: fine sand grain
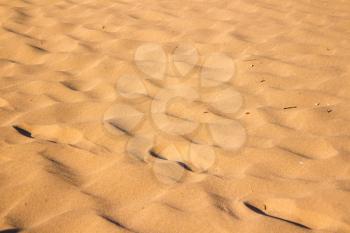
175 116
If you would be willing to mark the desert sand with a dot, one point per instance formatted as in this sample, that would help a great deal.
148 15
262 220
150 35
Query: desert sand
174 116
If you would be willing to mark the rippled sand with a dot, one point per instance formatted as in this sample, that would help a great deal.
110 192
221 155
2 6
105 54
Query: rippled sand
92 138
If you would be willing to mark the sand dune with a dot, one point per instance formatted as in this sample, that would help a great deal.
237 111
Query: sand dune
174 116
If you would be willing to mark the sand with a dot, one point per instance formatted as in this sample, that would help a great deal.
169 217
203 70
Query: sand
174 116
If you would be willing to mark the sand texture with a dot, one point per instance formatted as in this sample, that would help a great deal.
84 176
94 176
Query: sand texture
175 116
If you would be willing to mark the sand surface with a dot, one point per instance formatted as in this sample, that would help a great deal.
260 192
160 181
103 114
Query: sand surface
175 116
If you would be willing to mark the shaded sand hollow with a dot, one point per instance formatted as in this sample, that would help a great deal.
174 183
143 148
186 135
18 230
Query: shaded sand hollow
175 116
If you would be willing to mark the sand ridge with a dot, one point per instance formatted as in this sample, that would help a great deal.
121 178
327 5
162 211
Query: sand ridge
62 65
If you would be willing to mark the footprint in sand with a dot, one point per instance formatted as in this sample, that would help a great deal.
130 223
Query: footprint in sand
180 118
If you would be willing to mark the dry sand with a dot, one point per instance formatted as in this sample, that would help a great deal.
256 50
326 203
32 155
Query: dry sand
82 148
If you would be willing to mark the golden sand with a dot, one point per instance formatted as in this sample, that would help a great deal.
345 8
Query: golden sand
174 116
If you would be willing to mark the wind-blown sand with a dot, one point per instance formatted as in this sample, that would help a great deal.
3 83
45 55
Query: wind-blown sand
76 149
